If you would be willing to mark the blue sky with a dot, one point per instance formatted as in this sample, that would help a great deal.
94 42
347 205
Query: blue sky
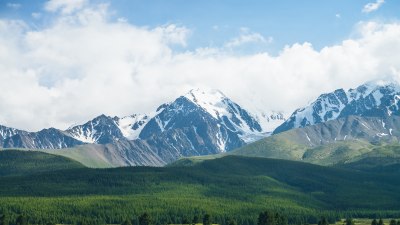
215 22
66 61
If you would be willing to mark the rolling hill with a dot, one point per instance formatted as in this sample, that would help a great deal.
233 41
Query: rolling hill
17 162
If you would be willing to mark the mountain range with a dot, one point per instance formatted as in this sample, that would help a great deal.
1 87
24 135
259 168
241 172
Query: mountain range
202 122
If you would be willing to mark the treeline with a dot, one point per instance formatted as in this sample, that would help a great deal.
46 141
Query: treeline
264 218
115 211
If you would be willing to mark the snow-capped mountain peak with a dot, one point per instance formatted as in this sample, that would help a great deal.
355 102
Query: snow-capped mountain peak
252 125
102 129
376 98
211 100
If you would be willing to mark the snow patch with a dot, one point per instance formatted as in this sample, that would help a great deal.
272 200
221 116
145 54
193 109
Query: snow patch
131 126
381 134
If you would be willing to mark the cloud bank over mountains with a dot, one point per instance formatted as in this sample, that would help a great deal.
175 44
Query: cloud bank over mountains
85 63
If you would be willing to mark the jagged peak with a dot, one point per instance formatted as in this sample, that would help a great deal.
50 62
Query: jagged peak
205 95
211 100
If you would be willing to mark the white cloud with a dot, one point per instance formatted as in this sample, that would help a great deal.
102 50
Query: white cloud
65 6
247 37
14 5
338 15
373 6
173 34
36 15
84 64
122 20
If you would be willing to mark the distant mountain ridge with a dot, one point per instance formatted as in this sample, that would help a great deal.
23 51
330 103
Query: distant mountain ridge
373 99
201 122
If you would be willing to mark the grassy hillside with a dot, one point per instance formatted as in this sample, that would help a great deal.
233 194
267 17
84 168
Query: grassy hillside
341 141
383 159
16 162
228 187
91 155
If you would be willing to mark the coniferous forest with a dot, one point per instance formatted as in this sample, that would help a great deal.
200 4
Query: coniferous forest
228 190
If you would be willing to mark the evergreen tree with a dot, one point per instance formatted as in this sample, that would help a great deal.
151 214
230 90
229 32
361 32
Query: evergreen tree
374 222
262 219
281 220
185 220
3 220
380 222
349 221
232 222
127 222
21 220
207 219
269 218
195 219
323 221
145 219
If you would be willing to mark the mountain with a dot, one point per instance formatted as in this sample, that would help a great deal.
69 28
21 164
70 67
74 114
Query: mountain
209 120
373 99
339 141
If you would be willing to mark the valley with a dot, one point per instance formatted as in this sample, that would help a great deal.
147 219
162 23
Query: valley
226 188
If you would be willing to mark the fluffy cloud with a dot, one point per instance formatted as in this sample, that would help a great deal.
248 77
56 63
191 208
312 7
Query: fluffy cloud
85 64
247 37
65 6
373 6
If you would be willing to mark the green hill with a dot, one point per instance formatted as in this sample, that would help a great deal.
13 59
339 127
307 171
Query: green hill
340 141
18 162
228 187
382 159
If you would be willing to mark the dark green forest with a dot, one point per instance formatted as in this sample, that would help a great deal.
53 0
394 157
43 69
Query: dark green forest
231 189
